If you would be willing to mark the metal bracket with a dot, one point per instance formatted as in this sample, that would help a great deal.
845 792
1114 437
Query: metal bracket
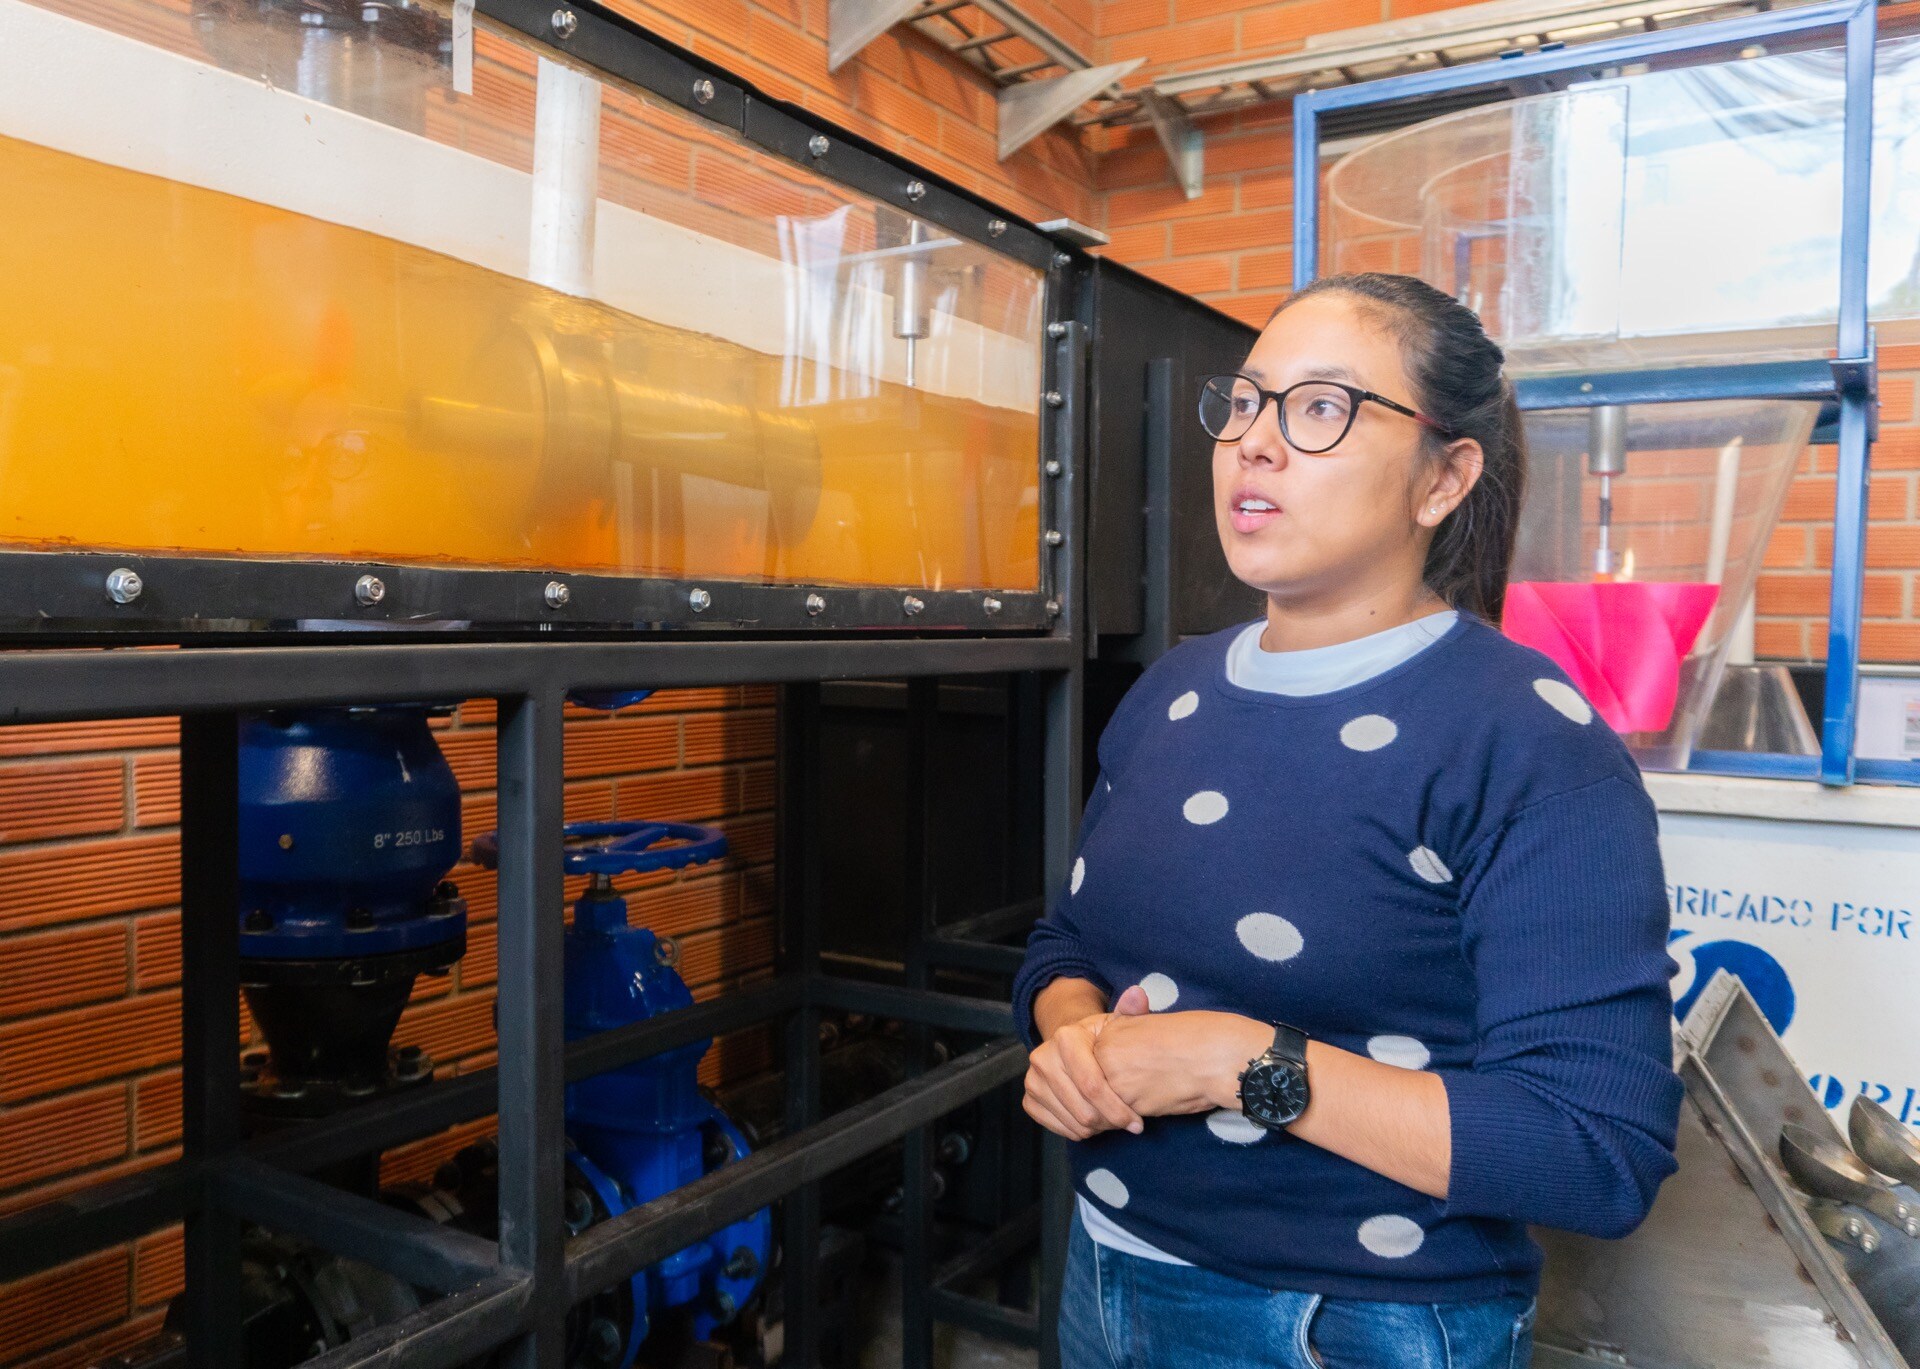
852 24
1032 107
1185 145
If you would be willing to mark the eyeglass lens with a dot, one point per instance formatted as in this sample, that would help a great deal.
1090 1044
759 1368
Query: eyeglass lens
1313 416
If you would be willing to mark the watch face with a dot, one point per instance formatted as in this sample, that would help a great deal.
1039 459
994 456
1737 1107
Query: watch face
1273 1093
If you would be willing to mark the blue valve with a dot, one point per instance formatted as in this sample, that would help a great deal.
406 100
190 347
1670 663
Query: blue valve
617 848
608 700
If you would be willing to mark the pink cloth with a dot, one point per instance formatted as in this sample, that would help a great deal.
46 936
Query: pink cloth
1621 642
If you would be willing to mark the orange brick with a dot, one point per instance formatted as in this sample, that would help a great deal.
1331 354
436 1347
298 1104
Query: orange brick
749 839
1890 642
1891 545
1130 16
54 1190
156 790
63 799
63 1135
156 1110
709 956
1293 23
757 787
66 1301
1266 270
679 796
1780 641
44 739
84 1354
480 966
1267 151
1787 547
1901 357
159 1267
470 754
1896 399
1141 242
1211 38
156 951
1272 189
1897 450
1253 310
1194 275
61 969
738 736
607 748
45 885
449 1029
63 1050
1232 233
415 1162
1889 497
691 906
1161 203
1806 595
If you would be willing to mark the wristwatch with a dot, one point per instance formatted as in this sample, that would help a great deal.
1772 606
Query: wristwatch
1273 1088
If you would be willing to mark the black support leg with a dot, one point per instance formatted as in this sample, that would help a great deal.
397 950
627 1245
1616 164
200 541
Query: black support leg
530 1016
210 1022
797 869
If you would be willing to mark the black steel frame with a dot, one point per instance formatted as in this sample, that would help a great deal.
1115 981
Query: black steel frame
516 1294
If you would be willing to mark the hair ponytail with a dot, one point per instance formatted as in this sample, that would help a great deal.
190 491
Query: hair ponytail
1457 381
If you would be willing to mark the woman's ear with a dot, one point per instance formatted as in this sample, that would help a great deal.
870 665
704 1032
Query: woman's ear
1450 480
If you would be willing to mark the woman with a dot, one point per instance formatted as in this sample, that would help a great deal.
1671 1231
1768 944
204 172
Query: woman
1361 967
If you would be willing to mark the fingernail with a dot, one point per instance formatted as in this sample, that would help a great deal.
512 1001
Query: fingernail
1137 1128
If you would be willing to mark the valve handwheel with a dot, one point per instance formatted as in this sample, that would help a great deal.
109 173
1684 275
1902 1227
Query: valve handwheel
614 848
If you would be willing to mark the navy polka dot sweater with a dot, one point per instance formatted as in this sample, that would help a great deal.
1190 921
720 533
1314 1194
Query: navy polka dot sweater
1451 866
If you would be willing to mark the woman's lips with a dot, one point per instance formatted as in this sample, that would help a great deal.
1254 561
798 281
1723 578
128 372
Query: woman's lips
1251 512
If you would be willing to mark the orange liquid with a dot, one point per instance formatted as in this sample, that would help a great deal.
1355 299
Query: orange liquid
185 371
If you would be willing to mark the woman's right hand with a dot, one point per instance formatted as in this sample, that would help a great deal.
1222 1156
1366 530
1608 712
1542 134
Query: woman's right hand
1067 1093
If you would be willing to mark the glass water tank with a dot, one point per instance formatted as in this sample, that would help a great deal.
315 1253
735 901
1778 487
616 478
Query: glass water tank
1683 217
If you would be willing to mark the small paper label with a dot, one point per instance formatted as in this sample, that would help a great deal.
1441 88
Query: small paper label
463 47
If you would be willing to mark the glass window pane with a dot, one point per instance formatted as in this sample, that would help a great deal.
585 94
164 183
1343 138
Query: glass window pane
272 288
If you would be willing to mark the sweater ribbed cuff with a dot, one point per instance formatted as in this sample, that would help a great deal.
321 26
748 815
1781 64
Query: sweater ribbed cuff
1042 967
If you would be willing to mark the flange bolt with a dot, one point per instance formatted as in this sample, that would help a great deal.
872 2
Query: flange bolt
124 585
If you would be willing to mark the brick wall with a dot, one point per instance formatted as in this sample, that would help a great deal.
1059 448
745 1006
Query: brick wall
1233 248
90 957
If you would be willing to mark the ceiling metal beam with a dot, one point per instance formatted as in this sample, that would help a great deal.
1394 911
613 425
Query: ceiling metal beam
1185 146
852 24
1030 108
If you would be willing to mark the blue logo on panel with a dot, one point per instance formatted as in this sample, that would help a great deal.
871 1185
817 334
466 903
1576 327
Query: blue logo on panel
1760 972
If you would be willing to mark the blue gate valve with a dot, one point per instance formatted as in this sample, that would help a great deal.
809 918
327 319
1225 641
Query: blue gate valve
643 1130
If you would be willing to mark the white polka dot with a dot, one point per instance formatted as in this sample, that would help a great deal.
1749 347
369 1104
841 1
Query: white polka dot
1183 706
1105 1185
1162 993
1079 873
1369 732
1403 1051
1565 699
1207 806
1427 864
1389 1236
1268 936
1233 1126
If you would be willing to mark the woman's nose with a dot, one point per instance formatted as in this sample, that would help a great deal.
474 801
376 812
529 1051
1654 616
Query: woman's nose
1264 444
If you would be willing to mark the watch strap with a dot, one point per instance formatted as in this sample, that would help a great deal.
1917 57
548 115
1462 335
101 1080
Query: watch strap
1289 1043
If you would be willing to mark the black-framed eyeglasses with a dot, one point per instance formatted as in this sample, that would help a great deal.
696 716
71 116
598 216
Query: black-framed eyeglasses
1314 414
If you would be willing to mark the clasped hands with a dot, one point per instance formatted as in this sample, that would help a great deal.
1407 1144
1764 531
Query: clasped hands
1109 1070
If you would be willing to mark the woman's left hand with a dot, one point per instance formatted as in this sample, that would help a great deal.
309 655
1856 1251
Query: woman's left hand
1166 1063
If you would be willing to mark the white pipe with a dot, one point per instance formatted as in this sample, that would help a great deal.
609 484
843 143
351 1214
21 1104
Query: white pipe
566 179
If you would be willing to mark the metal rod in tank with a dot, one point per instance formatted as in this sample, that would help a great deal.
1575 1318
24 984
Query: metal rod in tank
1606 458
910 306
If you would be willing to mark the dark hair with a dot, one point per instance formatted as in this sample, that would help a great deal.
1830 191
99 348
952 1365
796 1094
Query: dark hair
1457 381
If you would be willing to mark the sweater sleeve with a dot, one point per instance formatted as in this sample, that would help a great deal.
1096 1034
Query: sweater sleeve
1055 949
1567 1117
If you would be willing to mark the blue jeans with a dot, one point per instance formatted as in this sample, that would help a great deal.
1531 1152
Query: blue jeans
1119 1311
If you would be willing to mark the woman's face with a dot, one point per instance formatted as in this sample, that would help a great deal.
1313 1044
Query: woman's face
1361 515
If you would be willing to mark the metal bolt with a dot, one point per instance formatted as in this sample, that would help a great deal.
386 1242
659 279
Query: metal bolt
703 90
1586 387
557 594
1053 468
564 23
699 600
911 605
742 1264
1053 608
369 590
604 1342
578 1210
818 144
816 605
1054 399
916 190
1054 537
124 585
723 1305
667 951
1061 259
1056 330
995 227
990 605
